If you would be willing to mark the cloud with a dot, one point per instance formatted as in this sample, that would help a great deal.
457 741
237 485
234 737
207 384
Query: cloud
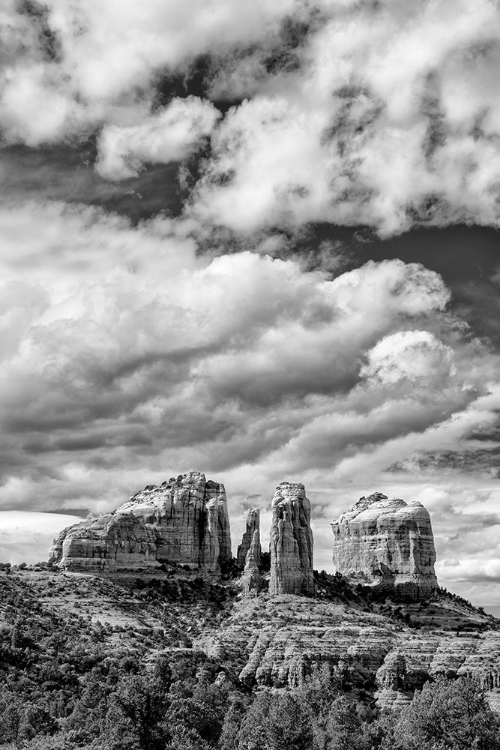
26 537
343 113
375 126
106 60
127 355
409 355
168 135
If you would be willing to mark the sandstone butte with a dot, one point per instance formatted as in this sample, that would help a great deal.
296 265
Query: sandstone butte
182 521
387 544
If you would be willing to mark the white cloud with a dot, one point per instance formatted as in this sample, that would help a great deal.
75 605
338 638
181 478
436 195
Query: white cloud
168 135
376 126
26 537
123 350
351 113
109 58
409 355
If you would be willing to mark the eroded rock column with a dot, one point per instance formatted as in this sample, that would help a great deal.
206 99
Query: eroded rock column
252 525
291 541
250 554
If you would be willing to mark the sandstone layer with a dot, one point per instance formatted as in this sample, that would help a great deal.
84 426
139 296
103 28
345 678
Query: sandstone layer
388 544
182 521
291 542
277 640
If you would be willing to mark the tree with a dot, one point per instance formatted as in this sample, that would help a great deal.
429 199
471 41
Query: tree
135 714
448 715
276 721
319 690
344 728
232 721
200 715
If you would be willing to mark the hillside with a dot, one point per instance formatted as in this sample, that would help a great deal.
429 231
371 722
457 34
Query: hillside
61 632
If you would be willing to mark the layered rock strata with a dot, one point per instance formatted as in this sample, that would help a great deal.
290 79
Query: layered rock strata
277 641
183 521
250 554
291 542
387 543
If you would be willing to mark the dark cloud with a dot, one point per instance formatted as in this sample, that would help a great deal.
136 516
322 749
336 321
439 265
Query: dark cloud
66 173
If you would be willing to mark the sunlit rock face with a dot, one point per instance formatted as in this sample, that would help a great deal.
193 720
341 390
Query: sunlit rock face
387 543
183 521
291 541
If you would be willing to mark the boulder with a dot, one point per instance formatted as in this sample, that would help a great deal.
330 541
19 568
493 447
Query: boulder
291 542
388 544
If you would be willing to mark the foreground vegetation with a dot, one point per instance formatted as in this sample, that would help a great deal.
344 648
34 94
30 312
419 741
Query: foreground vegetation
70 681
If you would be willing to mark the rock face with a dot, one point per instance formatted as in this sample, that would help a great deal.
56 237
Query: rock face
388 544
250 554
252 525
183 521
393 683
291 542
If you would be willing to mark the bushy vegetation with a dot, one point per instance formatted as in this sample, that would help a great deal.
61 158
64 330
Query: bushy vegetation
185 703
68 682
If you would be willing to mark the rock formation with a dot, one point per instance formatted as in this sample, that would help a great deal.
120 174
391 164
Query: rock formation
291 541
278 641
252 525
250 553
392 682
388 544
182 521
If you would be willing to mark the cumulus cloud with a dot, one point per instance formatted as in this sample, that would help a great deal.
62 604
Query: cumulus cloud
104 60
127 356
409 355
343 112
166 136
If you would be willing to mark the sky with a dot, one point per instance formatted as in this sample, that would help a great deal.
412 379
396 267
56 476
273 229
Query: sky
258 239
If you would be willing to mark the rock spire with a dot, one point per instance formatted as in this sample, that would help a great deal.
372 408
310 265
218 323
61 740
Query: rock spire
388 544
250 554
252 525
291 541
